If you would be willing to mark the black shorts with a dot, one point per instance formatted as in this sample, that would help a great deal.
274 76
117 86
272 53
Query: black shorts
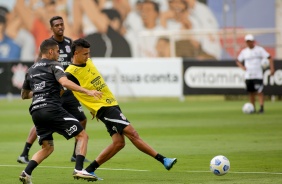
254 85
113 119
72 105
50 120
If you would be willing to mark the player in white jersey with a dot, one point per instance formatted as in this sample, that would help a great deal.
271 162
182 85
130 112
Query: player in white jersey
249 60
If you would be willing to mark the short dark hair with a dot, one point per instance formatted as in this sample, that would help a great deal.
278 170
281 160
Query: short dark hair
3 10
2 19
166 39
112 14
55 18
46 45
78 44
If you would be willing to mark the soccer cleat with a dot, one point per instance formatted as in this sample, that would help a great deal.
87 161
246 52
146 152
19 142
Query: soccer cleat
23 159
169 162
25 178
73 159
83 174
99 179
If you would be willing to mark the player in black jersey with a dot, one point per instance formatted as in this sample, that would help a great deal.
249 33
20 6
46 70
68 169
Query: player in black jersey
70 103
43 82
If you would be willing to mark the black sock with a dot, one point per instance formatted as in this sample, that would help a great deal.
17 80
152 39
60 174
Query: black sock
30 167
26 149
160 158
79 162
73 154
92 167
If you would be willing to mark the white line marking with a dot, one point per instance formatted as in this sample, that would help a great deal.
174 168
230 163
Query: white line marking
137 170
236 172
255 173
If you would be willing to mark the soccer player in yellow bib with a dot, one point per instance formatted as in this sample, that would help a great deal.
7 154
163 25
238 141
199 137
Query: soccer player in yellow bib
83 72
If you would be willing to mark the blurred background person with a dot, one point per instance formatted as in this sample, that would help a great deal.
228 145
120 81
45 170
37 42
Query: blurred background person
163 47
111 43
107 40
9 50
206 20
20 35
35 17
178 18
150 18
249 60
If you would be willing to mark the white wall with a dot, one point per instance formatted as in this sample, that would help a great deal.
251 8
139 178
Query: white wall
141 77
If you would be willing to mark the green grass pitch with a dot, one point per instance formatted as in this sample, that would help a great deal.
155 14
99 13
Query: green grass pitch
193 131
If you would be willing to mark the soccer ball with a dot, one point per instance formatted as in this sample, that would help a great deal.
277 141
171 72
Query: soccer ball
219 165
264 63
248 108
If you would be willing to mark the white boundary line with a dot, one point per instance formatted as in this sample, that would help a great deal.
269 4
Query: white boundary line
64 167
274 173
137 170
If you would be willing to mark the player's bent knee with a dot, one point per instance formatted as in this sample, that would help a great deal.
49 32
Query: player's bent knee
50 150
119 145
48 147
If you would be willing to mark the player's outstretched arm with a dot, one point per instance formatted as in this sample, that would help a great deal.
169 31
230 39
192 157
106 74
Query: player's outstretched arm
65 82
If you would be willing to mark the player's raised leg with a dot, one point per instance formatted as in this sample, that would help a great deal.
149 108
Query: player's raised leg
46 149
134 137
118 142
